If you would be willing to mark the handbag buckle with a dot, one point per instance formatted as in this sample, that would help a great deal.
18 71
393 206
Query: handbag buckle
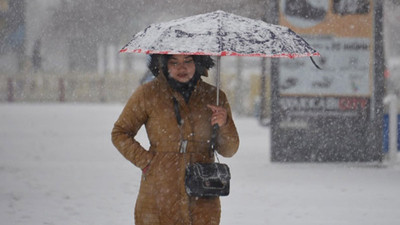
183 146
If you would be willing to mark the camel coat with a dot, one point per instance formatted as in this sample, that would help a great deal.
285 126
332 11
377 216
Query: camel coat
162 198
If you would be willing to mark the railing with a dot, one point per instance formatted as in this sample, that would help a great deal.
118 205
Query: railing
67 88
80 87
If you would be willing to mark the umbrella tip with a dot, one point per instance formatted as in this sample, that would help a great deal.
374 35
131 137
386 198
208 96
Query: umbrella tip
315 64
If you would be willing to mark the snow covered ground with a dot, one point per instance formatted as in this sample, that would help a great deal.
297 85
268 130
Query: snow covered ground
58 166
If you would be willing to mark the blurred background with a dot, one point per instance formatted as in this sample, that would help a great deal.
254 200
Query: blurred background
68 50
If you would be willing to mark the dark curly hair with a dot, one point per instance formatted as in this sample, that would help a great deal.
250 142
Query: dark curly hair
158 61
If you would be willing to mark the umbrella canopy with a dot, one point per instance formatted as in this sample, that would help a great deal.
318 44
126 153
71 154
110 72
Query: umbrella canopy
219 34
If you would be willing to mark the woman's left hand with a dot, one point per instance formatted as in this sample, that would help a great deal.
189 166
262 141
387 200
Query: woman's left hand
219 115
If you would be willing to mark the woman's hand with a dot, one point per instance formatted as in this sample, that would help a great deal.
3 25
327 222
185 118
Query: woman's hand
219 115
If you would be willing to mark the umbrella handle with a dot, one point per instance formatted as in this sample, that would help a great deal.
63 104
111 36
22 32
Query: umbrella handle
213 141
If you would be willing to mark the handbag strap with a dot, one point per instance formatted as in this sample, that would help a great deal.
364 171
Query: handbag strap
177 111
183 144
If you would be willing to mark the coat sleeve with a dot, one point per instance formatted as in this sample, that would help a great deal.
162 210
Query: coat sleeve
133 116
228 138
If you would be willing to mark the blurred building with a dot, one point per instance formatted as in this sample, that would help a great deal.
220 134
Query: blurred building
85 35
12 34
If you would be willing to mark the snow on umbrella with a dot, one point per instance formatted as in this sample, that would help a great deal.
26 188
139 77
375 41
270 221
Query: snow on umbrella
219 34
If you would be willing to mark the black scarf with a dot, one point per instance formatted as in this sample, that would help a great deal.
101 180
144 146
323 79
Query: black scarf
185 89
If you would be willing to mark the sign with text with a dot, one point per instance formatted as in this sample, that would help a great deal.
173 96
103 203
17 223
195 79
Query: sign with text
323 115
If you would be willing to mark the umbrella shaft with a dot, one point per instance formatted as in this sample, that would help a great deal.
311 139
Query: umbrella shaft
218 78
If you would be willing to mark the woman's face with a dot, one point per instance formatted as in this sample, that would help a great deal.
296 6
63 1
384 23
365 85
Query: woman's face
181 67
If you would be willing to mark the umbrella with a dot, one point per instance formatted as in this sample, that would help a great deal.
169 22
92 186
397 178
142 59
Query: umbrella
220 34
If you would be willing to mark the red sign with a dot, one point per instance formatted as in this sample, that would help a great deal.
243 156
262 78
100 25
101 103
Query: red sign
352 103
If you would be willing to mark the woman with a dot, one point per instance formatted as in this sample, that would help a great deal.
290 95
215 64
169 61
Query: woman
162 198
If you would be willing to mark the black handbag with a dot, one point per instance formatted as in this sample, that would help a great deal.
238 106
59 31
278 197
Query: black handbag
207 179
